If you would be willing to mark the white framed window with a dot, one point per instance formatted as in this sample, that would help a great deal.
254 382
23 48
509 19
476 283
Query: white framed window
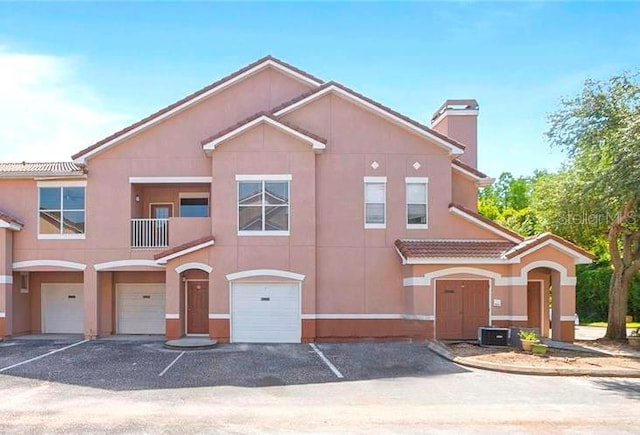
263 205
61 210
417 194
194 204
375 202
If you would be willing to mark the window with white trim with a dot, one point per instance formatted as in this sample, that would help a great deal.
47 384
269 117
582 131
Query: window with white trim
263 206
61 211
417 202
375 202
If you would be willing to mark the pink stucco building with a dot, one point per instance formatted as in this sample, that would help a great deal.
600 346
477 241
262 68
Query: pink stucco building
272 206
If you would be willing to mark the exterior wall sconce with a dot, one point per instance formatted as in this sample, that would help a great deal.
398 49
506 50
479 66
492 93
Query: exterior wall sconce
137 198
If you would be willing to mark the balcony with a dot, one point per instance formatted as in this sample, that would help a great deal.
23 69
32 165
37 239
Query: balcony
149 233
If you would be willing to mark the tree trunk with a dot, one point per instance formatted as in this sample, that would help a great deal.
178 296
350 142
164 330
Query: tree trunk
618 300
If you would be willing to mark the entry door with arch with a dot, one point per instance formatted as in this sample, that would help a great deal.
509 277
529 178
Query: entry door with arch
197 307
534 304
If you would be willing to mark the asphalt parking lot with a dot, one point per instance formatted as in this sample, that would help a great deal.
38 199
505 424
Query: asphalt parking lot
143 363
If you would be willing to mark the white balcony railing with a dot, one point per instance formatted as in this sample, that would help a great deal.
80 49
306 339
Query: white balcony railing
149 233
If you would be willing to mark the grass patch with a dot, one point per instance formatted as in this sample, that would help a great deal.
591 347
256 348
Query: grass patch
604 324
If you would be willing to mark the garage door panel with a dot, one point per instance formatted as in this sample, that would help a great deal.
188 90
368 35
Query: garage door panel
62 308
141 308
266 313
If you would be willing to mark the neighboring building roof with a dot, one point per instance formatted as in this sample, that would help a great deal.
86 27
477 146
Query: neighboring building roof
8 221
197 96
544 239
186 248
487 223
453 146
417 248
41 169
317 142
481 178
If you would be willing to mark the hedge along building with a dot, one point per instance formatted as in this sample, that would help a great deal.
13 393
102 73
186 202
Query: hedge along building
271 206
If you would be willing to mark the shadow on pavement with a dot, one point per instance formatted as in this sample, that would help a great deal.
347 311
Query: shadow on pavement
625 387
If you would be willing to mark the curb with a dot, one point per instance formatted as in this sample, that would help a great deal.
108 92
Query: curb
443 352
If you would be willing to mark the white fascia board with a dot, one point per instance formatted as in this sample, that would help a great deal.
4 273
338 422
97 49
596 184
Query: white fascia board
478 222
464 112
459 260
579 258
62 183
315 144
402 257
10 225
479 180
169 180
164 260
452 149
82 159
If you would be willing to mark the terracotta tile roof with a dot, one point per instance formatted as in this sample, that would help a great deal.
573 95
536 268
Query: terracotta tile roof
452 248
191 97
534 241
256 116
25 169
390 111
183 247
9 219
468 168
486 220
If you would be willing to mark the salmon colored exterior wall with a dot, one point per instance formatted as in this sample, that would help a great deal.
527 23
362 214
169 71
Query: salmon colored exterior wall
349 270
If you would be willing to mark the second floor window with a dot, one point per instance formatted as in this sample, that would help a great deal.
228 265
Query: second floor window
417 207
375 202
61 211
263 206
194 205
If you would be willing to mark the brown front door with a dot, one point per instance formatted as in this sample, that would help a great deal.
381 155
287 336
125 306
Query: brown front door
197 307
461 307
534 304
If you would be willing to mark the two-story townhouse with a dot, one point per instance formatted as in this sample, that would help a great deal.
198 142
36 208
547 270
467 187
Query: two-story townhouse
272 206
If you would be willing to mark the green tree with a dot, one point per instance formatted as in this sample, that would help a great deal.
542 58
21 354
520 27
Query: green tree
597 195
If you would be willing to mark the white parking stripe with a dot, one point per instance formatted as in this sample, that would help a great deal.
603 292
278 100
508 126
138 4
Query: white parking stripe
42 356
329 364
171 365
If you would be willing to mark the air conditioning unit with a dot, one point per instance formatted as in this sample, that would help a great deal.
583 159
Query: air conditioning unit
492 336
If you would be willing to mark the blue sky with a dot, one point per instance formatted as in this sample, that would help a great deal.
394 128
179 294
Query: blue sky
71 73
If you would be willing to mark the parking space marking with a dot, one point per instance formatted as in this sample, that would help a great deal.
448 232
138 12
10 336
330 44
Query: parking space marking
329 364
172 363
42 356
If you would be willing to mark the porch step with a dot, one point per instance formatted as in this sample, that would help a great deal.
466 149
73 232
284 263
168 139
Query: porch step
191 343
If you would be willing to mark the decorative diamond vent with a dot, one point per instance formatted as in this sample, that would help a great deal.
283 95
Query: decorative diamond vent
375 165
417 166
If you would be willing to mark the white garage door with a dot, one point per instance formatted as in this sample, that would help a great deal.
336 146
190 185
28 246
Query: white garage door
62 309
265 313
140 308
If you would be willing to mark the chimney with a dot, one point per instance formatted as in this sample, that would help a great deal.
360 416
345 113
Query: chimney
458 119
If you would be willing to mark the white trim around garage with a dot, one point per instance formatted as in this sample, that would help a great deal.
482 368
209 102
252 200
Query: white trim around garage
110 265
193 265
49 263
6 279
265 272
382 316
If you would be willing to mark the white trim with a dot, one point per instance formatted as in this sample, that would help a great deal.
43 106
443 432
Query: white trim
452 149
328 363
11 226
416 180
404 260
375 179
374 226
457 260
454 112
480 181
571 318
165 259
264 233
166 180
126 263
265 272
316 145
498 279
62 183
199 266
214 316
267 63
6 279
565 279
264 177
345 316
579 258
193 195
49 263
3 314
514 318
480 223
171 316
62 236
